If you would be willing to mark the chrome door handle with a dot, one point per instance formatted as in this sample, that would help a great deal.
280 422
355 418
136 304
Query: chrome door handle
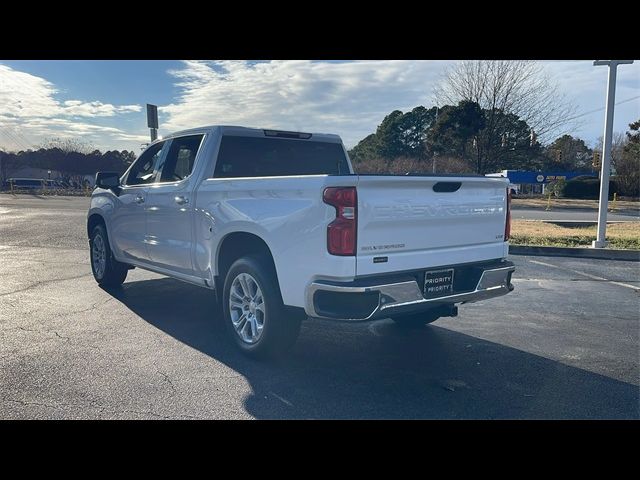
139 199
180 200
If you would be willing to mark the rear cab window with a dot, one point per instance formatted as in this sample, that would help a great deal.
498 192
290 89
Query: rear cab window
274 157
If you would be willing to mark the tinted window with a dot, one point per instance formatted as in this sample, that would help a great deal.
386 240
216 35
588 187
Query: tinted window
178 163
270 157
142 171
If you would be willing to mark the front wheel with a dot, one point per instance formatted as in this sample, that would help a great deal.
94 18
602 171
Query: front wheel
254 314
107 271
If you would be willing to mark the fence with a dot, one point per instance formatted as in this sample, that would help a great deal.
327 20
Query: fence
43 187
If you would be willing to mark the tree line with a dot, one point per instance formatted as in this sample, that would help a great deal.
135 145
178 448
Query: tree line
69 157
491 116
455 139
459 138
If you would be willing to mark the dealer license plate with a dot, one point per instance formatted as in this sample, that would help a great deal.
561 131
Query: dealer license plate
438 283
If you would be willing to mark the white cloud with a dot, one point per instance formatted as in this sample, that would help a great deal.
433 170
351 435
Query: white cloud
352 98
17 134
586 85
96 109
348 98
30 111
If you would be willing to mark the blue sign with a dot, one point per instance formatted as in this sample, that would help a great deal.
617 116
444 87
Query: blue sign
522 177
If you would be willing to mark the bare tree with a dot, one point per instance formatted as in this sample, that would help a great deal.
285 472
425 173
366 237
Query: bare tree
628 174
626 163
69 145
618 142
520 87
506 88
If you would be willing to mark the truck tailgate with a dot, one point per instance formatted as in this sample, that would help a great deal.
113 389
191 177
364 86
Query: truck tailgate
410 222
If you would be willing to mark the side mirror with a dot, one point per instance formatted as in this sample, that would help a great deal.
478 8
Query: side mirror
107 180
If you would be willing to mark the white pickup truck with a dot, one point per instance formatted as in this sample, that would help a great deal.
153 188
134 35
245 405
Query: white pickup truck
281 228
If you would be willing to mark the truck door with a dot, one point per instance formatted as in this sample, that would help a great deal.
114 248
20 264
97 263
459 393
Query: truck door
169 237
128 221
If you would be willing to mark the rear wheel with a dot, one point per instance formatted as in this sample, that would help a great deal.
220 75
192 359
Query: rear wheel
415 320
254 314
107 271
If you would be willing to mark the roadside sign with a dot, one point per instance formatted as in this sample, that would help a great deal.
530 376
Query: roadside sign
152 116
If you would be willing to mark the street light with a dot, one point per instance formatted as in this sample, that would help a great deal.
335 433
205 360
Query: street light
600 241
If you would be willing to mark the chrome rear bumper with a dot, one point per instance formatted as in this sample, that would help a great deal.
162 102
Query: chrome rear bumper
406 296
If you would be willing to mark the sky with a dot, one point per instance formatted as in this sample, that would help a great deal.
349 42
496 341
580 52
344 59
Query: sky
103 102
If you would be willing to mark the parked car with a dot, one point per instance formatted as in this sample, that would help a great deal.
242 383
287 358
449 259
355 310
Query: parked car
281 228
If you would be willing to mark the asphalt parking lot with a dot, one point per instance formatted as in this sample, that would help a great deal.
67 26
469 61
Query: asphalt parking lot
564 344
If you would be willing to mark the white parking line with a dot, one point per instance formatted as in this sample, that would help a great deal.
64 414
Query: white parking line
595 277
283 400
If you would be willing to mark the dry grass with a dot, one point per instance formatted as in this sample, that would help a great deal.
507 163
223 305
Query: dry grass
566 203
535 232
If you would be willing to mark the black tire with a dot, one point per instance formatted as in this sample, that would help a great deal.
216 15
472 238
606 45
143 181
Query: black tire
113 272
415 320
279 330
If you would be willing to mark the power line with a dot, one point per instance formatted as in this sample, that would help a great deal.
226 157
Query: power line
9 133
602 108
24 142
20 135
13 138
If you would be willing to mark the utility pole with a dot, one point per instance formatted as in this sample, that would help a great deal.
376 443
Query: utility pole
152 120
435 153
600 241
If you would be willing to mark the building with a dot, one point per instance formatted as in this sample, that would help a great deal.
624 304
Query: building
72 181
32 172
523 182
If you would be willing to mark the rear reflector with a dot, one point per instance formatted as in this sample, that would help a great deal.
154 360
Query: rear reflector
341 233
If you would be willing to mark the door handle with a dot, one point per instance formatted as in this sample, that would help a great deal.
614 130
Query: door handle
139 199
181 200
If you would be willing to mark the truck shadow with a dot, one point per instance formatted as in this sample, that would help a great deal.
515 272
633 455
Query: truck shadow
377 370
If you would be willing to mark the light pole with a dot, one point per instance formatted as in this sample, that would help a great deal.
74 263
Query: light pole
600 241
435 153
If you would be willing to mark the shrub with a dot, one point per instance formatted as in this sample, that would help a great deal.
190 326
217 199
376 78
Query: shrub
556 187
626 187
586 187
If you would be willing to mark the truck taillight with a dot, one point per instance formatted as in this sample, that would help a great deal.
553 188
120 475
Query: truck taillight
341 233
507 225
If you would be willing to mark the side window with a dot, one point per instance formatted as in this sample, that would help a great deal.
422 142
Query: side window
179 161
142 171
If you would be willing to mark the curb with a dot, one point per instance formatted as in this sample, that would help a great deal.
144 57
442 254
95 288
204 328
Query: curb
582 223
599 253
